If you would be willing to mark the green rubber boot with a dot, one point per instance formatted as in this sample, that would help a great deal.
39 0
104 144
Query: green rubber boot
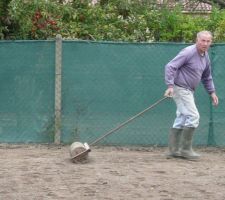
174 142
186 144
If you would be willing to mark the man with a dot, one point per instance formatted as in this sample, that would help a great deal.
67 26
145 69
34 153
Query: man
182 75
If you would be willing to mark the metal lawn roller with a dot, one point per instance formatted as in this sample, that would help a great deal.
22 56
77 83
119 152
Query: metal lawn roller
79 151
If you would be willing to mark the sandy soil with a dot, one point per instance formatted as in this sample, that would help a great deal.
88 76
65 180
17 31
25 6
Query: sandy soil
39 172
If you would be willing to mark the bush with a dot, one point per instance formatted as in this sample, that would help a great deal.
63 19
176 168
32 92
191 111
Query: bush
107 20
36 19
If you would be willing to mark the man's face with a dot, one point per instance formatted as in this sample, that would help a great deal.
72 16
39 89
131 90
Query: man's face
203 42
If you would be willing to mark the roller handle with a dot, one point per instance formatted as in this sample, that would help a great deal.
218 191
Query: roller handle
128 121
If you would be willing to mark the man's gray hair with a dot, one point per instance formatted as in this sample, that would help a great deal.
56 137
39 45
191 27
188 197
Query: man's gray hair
199 34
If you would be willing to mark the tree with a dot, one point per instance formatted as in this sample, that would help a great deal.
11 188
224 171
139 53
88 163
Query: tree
5 21
118 20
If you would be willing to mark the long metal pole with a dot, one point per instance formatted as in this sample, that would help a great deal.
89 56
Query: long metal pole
128 121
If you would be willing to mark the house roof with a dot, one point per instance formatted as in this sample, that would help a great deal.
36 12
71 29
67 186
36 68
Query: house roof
188 6
196 6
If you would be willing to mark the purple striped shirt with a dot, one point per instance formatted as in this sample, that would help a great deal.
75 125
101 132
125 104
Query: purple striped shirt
188 68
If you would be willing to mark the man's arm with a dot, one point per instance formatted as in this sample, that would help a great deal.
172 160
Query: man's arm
172 67
207 81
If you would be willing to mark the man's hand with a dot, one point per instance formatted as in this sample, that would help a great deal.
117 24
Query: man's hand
215 99
169 92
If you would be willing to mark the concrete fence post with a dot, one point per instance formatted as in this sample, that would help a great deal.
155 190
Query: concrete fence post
58 83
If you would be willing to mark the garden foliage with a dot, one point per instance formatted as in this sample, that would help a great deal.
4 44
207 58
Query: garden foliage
118 20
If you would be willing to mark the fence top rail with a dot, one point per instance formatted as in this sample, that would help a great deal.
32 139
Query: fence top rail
104 42
27 41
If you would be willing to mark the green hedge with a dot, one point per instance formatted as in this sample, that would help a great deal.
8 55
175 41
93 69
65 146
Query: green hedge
117 21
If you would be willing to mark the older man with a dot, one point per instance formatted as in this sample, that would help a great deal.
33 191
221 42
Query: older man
182 75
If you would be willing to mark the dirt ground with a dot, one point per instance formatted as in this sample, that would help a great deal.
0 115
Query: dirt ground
43 172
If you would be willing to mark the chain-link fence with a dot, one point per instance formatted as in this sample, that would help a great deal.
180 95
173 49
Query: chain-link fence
27 91
68 91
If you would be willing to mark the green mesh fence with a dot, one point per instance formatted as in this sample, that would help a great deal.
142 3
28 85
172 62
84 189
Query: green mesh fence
27 91
103 85
217 117
106 83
